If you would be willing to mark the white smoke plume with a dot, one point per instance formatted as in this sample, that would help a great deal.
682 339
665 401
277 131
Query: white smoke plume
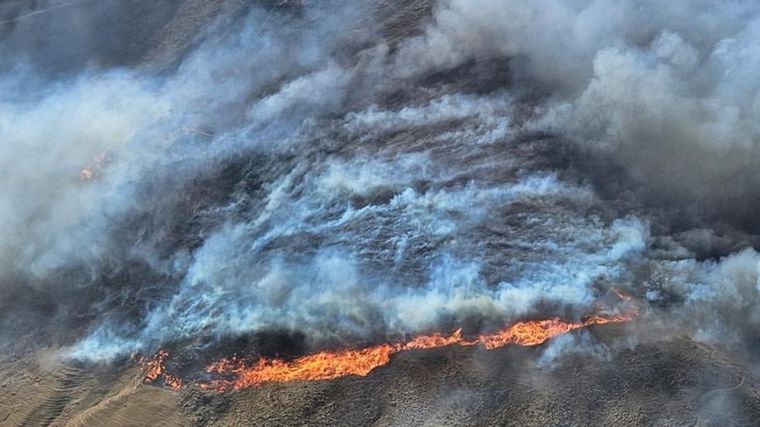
665 89
300 170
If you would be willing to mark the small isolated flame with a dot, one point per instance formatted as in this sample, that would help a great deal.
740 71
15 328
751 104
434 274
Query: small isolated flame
329 365
156 369
94 168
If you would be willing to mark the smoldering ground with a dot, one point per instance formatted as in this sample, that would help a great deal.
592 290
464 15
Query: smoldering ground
314 170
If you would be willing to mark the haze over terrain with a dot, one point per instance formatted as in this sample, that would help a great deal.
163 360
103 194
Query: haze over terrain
275 179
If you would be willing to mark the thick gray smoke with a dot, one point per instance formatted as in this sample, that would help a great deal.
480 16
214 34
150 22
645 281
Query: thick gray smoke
660 100
312 168
664 91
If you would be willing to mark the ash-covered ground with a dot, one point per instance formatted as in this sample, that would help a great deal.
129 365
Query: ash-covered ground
276 178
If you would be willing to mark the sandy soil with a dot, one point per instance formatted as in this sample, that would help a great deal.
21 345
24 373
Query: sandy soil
43 391
673 382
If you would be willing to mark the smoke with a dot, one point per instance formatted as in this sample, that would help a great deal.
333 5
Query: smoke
145 137
568 345
64 37
662 92
304 169
264 275
719 298
661 106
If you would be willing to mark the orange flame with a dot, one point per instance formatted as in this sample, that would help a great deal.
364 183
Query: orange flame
155 369
329 365
238 373
320 366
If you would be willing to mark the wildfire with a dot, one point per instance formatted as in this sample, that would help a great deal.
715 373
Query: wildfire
330 365
94 168
156 368
239 373
320 366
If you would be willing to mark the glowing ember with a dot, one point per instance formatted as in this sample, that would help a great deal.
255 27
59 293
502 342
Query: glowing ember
621 295
94 168
156 369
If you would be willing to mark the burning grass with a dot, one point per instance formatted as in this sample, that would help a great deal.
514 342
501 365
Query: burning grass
239 373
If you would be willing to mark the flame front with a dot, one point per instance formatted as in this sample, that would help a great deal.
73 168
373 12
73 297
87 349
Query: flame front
319 366
329 365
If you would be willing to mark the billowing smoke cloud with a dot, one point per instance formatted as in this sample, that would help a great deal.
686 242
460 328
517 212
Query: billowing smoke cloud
306 169
663 92
661 104
94 164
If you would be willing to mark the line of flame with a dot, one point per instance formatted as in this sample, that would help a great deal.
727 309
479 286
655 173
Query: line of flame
329 365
